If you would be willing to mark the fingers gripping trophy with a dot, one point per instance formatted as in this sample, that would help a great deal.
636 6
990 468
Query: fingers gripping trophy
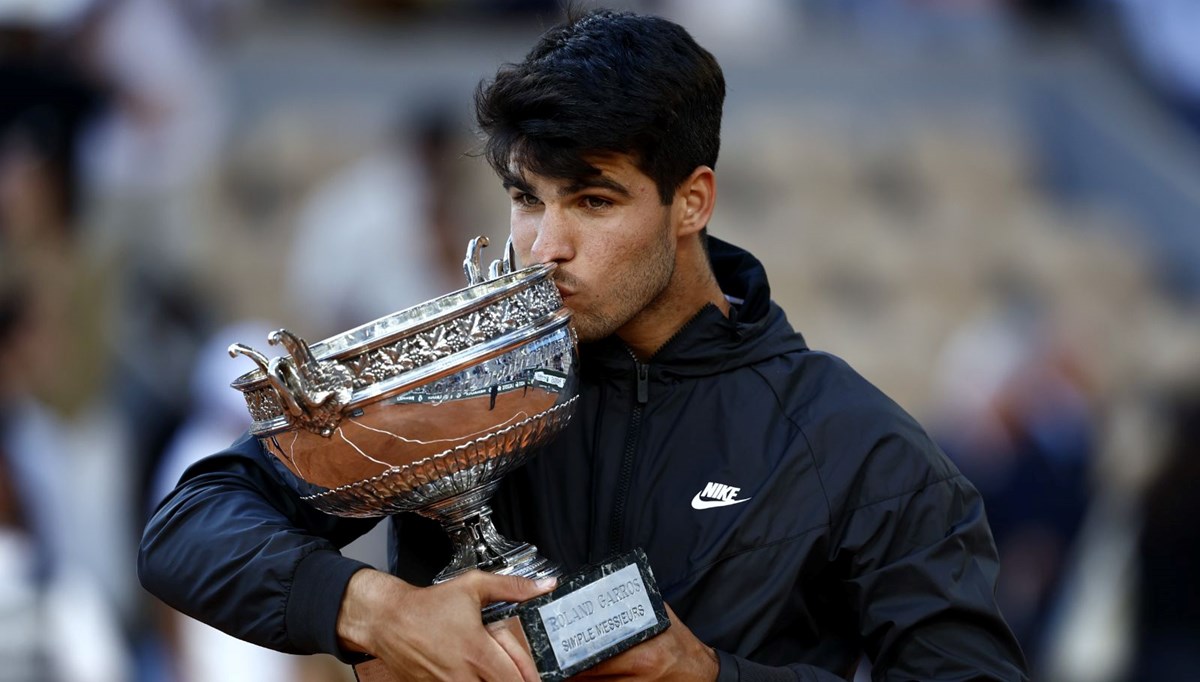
425 411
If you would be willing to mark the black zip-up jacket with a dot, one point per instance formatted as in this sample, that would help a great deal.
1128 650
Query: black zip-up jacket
794 516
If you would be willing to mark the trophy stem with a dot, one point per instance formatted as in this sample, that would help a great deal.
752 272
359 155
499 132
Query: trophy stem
467 519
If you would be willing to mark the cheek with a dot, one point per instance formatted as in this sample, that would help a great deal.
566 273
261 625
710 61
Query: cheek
524 232
635 246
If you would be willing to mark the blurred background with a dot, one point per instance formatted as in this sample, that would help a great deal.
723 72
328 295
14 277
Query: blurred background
991 208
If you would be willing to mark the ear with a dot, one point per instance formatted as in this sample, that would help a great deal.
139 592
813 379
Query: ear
695 199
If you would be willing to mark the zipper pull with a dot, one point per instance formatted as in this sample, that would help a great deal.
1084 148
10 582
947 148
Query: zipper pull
643 383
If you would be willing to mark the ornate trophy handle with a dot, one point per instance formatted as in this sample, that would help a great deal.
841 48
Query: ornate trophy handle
319 389
312 392
274 375
305 361
500 268
473 263
259 359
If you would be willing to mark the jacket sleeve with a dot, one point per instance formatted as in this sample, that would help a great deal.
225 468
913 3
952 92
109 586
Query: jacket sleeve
921 574
234 546
922 579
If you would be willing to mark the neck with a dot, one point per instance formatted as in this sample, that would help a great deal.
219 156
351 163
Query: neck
691 287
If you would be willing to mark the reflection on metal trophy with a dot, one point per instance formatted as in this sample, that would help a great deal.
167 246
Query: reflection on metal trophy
425 410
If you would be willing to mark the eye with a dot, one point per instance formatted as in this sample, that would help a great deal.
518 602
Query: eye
594 202
526 200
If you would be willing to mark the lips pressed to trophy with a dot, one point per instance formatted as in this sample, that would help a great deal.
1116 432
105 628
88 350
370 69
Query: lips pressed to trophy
425 411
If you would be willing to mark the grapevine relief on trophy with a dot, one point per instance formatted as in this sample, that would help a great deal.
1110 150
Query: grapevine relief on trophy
315 382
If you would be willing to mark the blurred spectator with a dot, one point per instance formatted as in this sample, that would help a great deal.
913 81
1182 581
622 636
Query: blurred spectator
168 114
56 123
1167 621
47 105
377 236
1018 422
145 162
55 623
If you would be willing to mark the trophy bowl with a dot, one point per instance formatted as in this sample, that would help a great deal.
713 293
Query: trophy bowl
426 409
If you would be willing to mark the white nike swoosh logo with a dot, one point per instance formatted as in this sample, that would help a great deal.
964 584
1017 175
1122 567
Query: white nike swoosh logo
698 503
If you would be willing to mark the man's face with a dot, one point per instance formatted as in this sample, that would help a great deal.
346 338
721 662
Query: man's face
611 236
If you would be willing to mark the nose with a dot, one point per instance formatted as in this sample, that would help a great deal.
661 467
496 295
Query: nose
554 242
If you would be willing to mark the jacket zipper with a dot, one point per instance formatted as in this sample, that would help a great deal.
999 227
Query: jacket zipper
616 536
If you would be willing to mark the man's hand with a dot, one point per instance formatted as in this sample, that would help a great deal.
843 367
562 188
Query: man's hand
436 633
674 654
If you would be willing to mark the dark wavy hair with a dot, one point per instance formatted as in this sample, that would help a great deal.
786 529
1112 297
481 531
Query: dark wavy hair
606 82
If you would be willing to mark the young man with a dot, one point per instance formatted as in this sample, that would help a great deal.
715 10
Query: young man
839 529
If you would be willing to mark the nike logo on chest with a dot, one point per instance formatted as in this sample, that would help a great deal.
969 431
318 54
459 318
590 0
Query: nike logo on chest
717 495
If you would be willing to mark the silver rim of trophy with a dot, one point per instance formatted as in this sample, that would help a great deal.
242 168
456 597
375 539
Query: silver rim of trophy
425 410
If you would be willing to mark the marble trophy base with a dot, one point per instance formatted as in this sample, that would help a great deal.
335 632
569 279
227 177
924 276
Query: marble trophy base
593 615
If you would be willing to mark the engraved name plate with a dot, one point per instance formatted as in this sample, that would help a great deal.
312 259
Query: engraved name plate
593 615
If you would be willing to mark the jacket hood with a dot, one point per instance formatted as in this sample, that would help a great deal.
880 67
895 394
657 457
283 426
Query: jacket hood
711 343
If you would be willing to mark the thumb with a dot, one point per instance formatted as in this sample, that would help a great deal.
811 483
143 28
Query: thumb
511 588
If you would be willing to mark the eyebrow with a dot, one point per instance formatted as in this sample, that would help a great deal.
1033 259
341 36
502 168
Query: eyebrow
600 182
597 182
510 183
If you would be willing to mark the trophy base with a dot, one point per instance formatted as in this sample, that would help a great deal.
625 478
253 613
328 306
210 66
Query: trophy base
476 543
593 615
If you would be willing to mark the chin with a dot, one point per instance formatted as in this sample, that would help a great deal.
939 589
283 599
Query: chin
587 336
587 331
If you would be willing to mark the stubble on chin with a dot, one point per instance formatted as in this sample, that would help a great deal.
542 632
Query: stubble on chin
602 319
589 326
589 323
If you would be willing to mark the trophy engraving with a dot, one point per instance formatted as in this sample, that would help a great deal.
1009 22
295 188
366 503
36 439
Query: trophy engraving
426 410
593 615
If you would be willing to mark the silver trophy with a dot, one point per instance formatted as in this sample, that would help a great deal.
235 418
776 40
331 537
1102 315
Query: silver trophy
425 410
